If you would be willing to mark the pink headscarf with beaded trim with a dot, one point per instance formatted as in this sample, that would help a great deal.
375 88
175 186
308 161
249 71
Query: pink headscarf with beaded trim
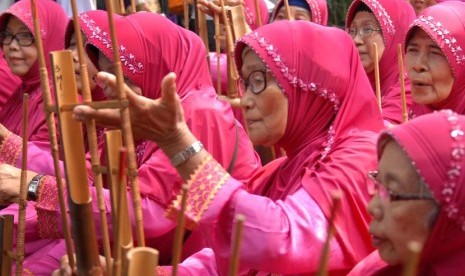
318 8
332 115
440 161
445 24
150 47
52 20
251 15
394 17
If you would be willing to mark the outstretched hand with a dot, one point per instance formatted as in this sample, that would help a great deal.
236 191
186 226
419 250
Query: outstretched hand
160 120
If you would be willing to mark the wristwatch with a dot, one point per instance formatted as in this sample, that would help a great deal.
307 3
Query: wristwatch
184 155
33 187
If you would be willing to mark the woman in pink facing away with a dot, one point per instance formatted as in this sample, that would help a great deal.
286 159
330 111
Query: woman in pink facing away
384 22
435 59
314 114
420 198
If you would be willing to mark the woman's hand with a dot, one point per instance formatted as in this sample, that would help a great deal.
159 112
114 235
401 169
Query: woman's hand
160 120
10 180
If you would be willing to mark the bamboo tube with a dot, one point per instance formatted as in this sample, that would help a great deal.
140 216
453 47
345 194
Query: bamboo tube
257 13
92 138
133 6
377 81
22 193
216 21
50 119
288 10
117 158
234 264
127 131
179 233
402 83
142 261
203 33
411 267
122 8
232 73
74 157
323 269
186 14
6 244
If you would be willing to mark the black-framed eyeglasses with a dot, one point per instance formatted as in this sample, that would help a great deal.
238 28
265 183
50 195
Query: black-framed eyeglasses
363 31
23 38
387 195
255 81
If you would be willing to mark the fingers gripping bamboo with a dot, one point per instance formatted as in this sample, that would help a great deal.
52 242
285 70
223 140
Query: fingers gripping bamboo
51 126
92 137
402 83
127 131
22 193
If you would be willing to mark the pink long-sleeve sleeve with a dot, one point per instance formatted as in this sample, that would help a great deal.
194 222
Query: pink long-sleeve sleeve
283 236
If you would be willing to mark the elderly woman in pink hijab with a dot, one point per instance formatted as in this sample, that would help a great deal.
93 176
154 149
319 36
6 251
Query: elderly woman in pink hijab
420 197
384 22
310 10
435 59
324 116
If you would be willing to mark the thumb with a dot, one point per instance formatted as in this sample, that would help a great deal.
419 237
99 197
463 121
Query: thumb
169 95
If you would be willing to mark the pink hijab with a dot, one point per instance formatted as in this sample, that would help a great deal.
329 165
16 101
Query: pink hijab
318 8
9 82
150 47
394 17
331 126
445 24
440 162
52 22
251 15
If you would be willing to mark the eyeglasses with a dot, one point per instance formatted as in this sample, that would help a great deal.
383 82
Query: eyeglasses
362 31
387 195
23 38
256 81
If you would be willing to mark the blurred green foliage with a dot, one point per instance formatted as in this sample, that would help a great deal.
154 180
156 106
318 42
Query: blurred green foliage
337 12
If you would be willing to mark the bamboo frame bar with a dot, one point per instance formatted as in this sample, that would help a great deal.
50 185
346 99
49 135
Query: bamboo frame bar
323 266
127 131
288 10
92 137
74 157
257 13
216 21
377 80
234 264
179 233
402 83
22 193
411 268
51 126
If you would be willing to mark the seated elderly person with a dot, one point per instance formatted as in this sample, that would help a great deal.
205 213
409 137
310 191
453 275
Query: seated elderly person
420 197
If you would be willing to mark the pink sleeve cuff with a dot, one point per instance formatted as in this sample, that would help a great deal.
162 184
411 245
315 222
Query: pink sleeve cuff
204 185
48 209
10 149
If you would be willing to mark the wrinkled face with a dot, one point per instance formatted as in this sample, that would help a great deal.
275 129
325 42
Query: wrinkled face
367 31
266 111
91 69
297 13
19 58
428 70
420 5
107 66
396 221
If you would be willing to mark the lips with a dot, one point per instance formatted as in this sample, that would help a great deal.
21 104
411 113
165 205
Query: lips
377 241
421 83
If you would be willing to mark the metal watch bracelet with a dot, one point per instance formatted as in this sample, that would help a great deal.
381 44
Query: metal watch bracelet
187 153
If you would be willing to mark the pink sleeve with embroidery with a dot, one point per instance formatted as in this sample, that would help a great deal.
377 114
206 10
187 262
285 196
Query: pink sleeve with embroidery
283 236
39 157
49 215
